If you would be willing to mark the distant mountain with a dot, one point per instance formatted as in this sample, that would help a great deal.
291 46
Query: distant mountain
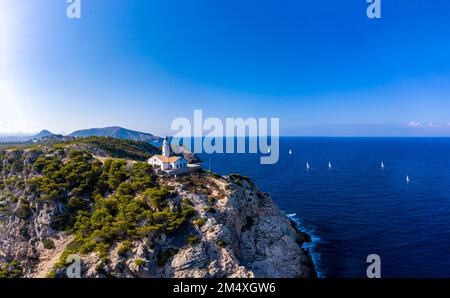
43 134
23 137
116 132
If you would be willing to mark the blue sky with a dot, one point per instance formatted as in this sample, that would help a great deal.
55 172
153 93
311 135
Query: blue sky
321 66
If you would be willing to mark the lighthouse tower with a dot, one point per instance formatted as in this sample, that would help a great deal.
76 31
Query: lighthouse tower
165 148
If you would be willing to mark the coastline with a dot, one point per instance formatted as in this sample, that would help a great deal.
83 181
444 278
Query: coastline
308 243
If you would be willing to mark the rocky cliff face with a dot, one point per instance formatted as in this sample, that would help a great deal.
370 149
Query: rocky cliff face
237 231
244 235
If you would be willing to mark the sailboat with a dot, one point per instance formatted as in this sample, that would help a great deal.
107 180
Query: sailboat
307 166
290 152
382 165
407 179
329 165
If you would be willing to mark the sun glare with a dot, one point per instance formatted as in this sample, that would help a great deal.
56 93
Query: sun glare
12 116
5 44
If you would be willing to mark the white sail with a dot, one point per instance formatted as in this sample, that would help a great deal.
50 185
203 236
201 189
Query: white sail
307 166
407 179
382 165
290 152
329 165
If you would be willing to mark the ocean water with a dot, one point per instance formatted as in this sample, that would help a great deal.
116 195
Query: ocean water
356 208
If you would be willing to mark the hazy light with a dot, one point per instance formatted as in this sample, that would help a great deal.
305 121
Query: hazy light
5 38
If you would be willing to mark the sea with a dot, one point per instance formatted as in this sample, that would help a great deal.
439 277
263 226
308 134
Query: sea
357 208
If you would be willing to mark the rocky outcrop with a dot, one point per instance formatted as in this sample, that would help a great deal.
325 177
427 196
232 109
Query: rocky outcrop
260 241
186 154
243 235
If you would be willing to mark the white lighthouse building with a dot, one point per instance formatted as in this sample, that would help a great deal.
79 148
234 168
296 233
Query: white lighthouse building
167 163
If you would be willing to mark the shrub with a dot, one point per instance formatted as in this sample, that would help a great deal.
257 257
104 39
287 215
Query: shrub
150 244
199 222
187 211
75 203
11 270
239 177
124 248
221 243
48 244
156 197
24 211
193 239
164 256
139 262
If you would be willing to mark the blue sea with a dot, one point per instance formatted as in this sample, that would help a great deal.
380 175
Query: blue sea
356 208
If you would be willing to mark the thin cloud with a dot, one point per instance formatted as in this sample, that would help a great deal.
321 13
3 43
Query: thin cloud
415 124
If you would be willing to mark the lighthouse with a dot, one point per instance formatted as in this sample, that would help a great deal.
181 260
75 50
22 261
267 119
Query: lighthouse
165 148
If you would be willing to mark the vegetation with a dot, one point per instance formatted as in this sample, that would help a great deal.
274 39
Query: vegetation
72 248
24 210
48 244
222 243
10 270
100 202
139 262
239 177
199 222
119 148
125 217
193 239
165 255
124 248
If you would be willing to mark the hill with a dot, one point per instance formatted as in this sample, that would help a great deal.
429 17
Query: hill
115 132
116 148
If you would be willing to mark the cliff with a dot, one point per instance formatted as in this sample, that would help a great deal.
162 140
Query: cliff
123 221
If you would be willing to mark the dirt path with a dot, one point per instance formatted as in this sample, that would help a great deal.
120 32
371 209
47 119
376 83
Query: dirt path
49 258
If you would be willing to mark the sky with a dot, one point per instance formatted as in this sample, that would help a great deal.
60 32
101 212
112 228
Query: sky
322 67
